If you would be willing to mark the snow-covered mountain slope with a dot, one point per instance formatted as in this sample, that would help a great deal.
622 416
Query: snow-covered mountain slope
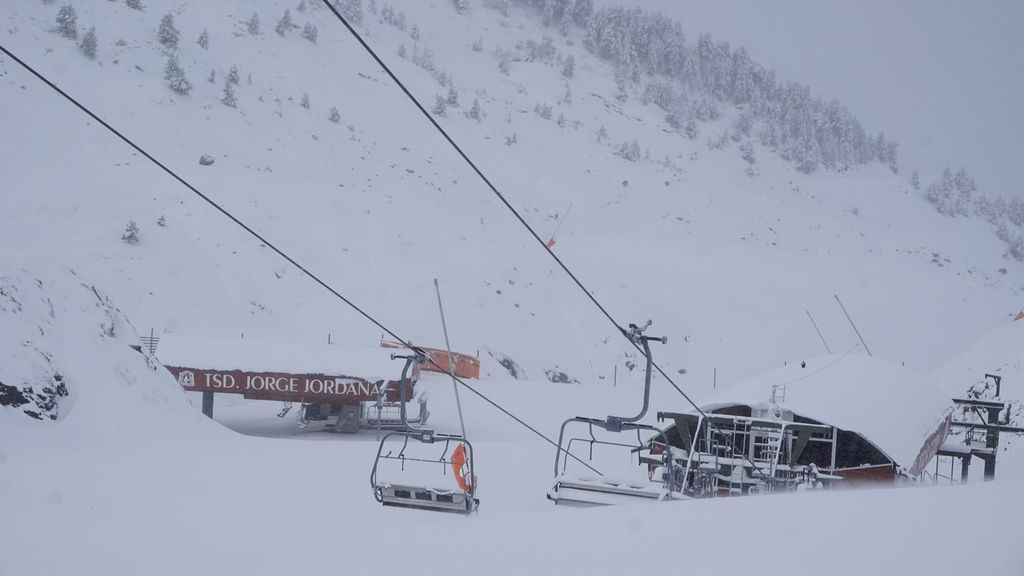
727 264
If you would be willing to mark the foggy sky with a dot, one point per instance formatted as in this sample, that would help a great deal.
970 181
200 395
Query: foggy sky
944 78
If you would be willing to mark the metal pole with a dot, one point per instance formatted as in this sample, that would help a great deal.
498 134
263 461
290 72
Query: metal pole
562 221
208 404
815 324
854 325
451 365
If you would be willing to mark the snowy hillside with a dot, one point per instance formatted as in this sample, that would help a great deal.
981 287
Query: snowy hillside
725 244
378 201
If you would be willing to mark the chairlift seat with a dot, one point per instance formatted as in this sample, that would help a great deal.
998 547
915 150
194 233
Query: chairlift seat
425 498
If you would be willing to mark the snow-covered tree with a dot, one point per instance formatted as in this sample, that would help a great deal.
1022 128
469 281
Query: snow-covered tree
474 112
204 40
233 76
569 67
305 100
402 51
453 98
335 115
629 151
691 129
88 43
284 25
67 21
131 233
229 98
478 45
747 151
567 97
352 10
168 34
915 181
440 106
302 6
309 32
253 24
415 32
175 76
135 5
461 6
602 134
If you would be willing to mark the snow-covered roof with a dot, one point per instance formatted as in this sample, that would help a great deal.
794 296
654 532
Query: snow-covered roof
250 355
892 407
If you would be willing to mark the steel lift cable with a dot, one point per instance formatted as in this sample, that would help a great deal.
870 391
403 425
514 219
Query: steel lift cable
269 244
494 189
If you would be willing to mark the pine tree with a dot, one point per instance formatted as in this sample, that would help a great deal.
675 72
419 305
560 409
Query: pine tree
204 40
569 67
168 34
691 129
747 151
67 21
229 98
135 5
253 24
453 98
415 32
352 10
335 115
175 76
309 32
915 181
88 43
305 100
284 25
440 106
474 112
131 233
461 6
233 76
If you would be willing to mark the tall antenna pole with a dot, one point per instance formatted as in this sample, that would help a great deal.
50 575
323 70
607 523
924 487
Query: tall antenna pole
451 365
818 331
854 325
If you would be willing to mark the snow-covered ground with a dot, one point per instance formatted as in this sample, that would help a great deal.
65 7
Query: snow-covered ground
130 478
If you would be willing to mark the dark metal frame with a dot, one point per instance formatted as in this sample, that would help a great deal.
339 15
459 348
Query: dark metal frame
619 424
420 497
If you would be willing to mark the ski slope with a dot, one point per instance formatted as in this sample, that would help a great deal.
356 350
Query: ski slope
131 478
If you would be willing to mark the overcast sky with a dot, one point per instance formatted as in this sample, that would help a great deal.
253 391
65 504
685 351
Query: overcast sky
944 78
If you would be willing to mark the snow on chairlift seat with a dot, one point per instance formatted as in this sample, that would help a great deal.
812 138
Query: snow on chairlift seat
587 491
407 496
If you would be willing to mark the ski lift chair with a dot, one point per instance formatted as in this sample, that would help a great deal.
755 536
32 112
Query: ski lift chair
456 454
667 479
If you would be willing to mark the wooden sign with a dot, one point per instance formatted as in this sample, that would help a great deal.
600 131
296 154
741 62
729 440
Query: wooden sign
309 388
